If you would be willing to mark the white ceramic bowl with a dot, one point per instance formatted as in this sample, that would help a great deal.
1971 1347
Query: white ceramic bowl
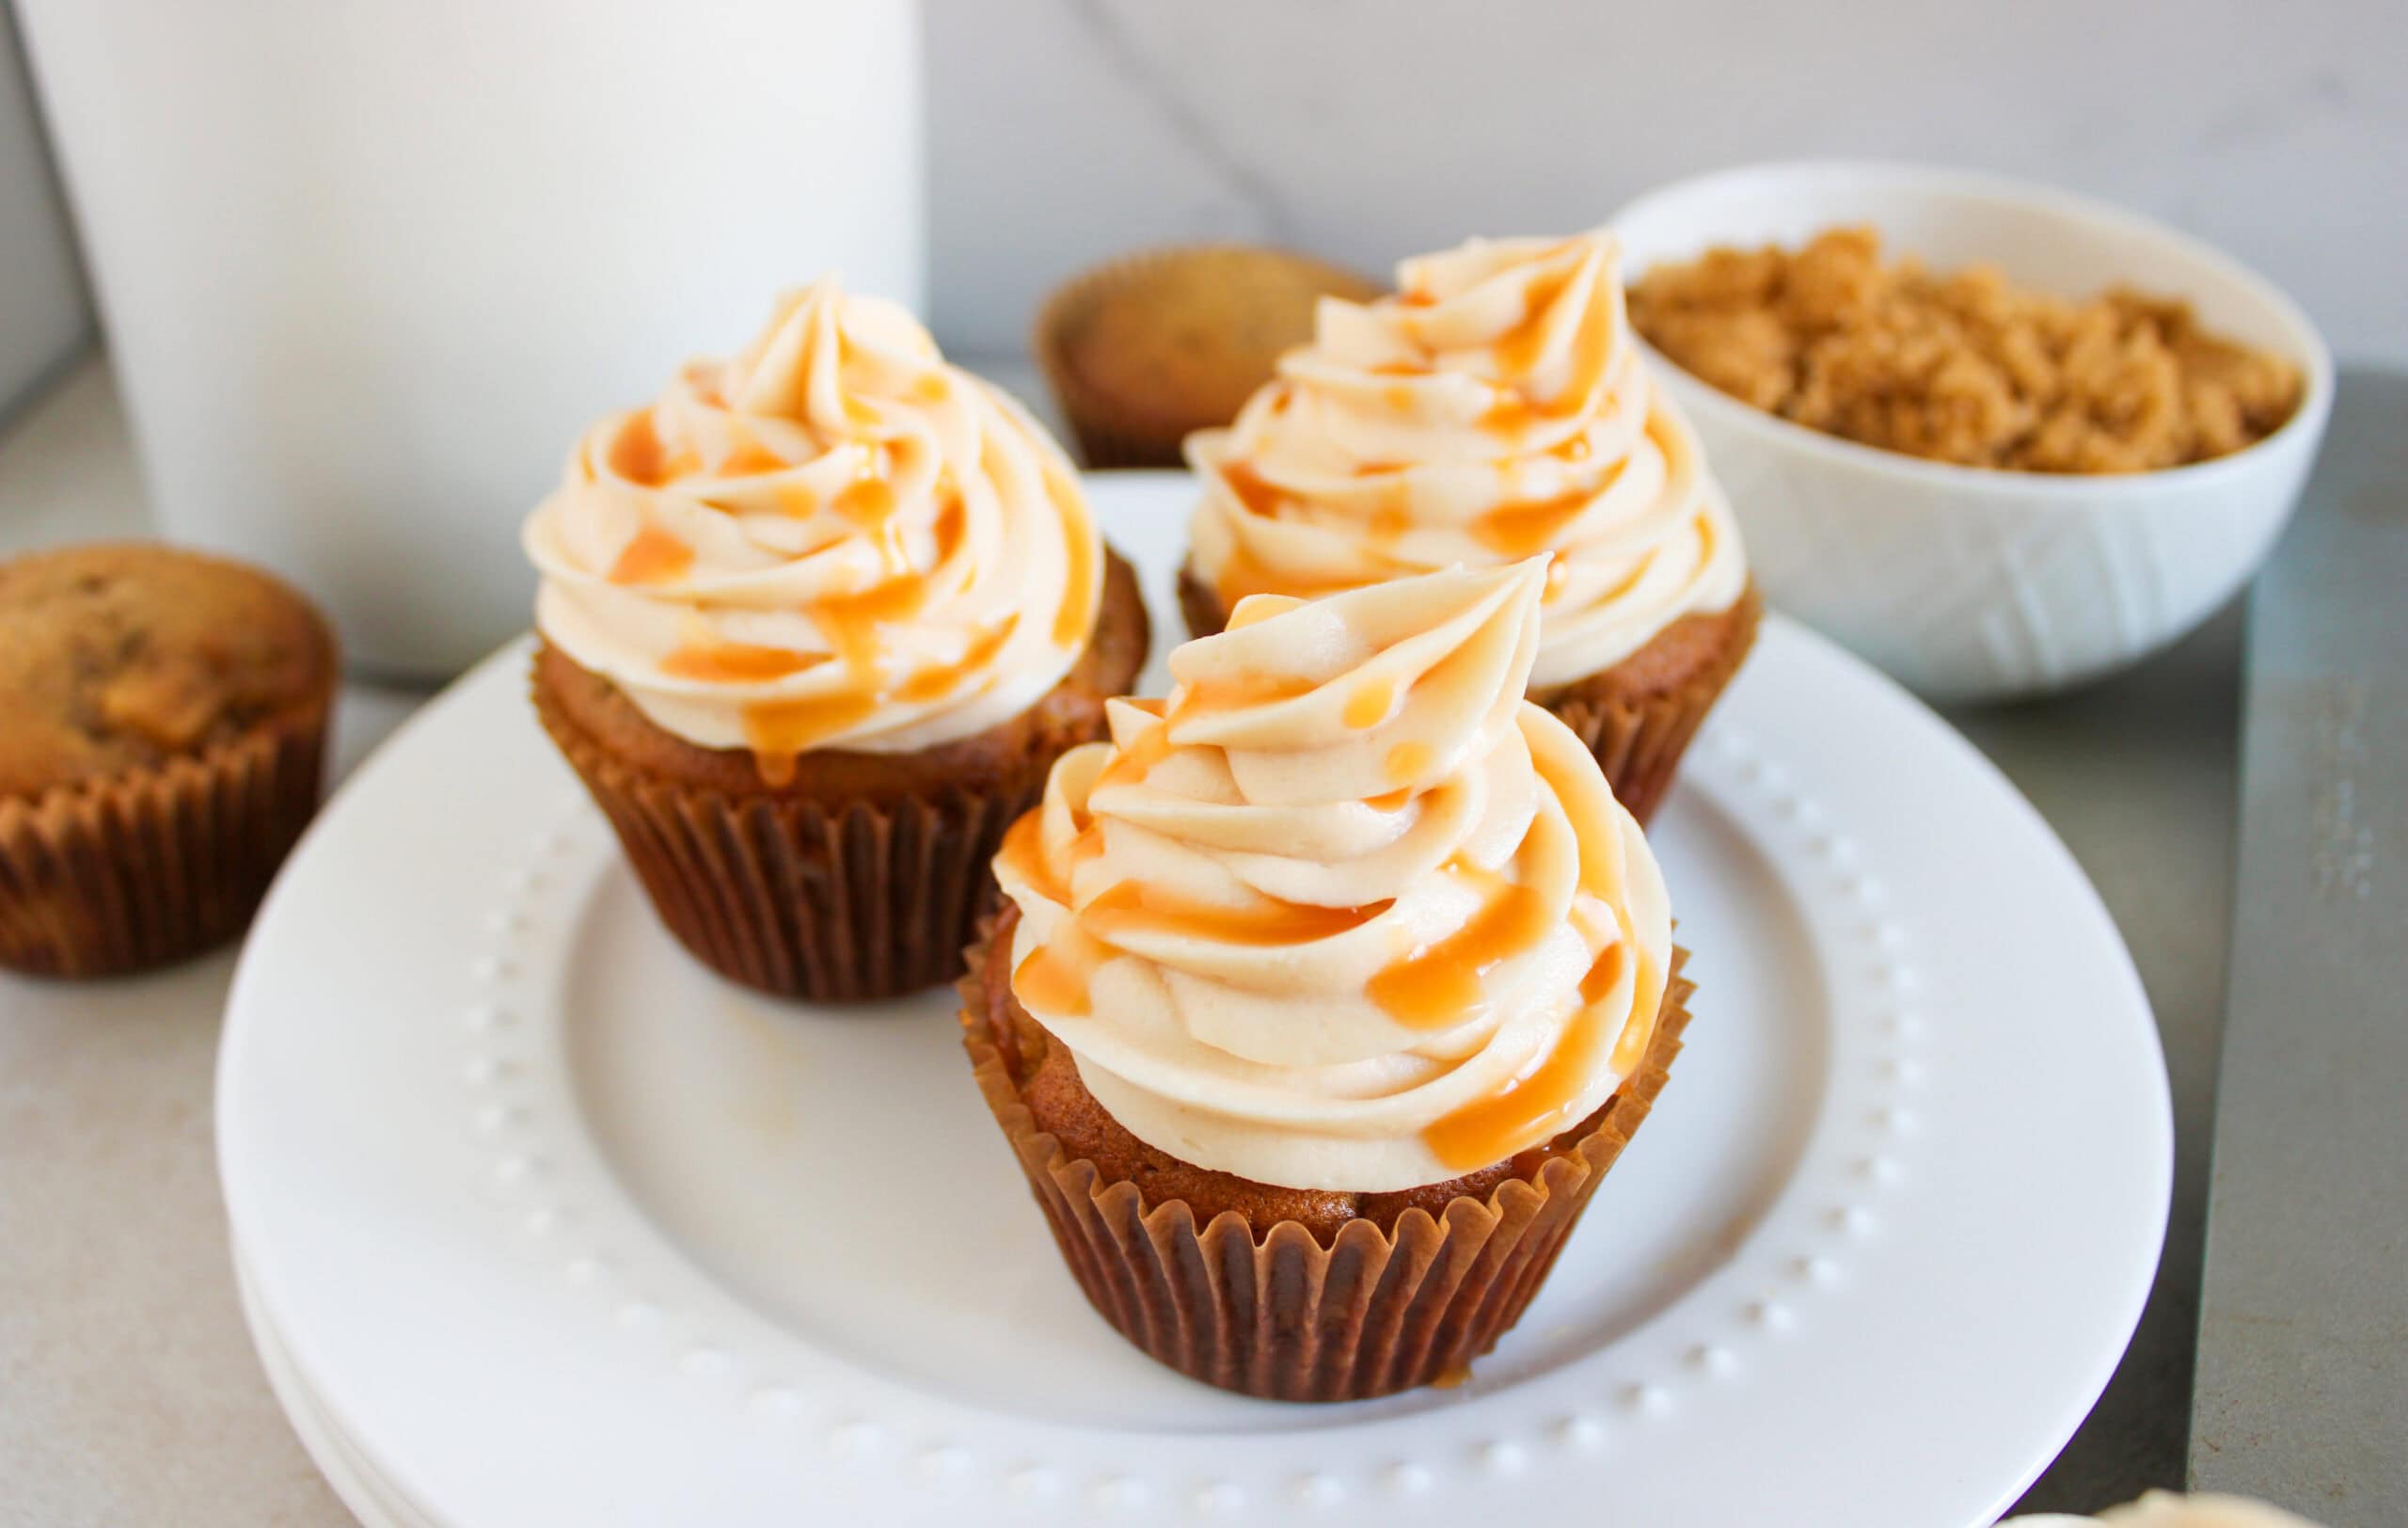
1963 583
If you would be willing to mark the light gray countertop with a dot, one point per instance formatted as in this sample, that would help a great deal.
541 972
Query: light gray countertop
128 1393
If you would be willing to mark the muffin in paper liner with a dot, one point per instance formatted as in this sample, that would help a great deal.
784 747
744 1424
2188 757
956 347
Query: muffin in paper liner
1638 740
1268 1310
1239 296
832 902
141 869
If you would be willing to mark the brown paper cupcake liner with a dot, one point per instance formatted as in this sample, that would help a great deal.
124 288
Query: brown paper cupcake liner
1110 431
121 875
1268 1311
830 902
1638 743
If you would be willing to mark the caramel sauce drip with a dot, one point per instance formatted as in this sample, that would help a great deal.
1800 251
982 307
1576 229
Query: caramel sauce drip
1646 1006
1527 1109
1369 703
736 663
939 680
651 556
931 387
1130 908
1603 973
1409 761
777 730
1056 976
1439 984
1253 490
636 454
867 501
1388 801
749 458
1517 352
1077 617
1023 849
1532 525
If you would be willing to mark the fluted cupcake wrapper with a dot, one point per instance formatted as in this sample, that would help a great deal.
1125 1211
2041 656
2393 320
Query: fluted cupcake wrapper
1637 744
832 902
1268 1311
144 869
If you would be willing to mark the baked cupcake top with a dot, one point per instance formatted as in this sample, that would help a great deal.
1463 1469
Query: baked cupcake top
118 658
834 540
1346 911
1493 408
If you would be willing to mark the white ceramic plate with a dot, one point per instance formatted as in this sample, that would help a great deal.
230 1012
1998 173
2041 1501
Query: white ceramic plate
549 1225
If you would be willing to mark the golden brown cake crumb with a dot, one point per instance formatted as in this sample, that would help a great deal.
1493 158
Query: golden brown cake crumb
118 658
1962 367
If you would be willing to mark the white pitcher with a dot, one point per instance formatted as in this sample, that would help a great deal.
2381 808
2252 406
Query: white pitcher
368 267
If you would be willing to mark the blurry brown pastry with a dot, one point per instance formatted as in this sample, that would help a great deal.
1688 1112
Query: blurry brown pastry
162 716
1144 350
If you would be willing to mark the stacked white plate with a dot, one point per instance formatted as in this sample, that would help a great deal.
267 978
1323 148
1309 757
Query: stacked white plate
541 1222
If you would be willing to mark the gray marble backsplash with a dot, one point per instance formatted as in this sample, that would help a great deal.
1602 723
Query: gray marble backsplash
1064 131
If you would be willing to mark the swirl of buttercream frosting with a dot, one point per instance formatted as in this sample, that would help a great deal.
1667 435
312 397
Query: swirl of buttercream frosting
1495 407
834 540
1345 912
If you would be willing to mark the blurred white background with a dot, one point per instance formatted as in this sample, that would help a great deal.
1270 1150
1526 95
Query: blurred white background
1061 131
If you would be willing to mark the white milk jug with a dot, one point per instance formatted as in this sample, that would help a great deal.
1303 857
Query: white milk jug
369 267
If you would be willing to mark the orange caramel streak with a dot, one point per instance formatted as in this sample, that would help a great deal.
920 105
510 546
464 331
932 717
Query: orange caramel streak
1527 1109
1439 984
736 663
1129 909
652 555
638 455
1083 586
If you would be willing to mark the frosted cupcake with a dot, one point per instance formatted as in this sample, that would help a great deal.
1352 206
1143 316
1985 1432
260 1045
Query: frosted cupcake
1494 408
1326 992
816 623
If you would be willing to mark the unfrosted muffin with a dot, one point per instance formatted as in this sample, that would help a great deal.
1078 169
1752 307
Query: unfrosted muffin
1328 992
1494 408
162 716
1145 350
815 625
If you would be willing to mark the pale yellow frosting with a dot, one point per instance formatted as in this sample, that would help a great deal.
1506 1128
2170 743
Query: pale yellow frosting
834 540
1347 911
1495 407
